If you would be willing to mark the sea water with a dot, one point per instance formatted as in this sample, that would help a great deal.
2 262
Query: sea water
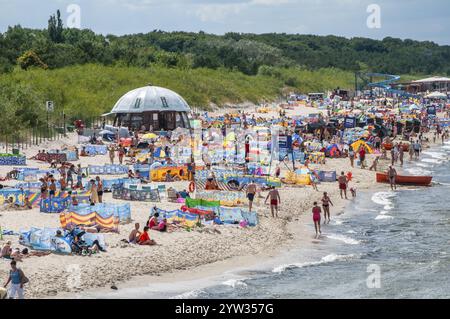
403 235
385 245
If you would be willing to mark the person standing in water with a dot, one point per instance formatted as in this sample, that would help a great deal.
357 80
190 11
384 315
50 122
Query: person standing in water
342 180
316 211
392 175
326 202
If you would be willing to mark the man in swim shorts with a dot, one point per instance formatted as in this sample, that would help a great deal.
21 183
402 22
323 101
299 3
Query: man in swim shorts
251 191
275 200
342 180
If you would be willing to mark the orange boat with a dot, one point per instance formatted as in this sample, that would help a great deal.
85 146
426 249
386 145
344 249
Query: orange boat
389 146
406 180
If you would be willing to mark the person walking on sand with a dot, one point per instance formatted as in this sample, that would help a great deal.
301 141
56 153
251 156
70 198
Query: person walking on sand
80 177
314 178
343 182
112 154
99 189
316 211
392 175
94 192
362 157
374 164
17 279
251 192
275 200
326 202
351 156
121 154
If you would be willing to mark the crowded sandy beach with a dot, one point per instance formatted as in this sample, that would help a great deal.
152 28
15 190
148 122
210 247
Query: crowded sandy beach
175 244
200 151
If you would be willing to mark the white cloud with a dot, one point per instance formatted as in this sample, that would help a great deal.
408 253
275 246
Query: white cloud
218 12
221 11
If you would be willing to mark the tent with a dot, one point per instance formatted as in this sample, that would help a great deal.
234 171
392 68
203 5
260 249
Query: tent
333 151
360 143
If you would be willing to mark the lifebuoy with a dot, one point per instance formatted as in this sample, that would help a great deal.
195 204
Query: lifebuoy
192 187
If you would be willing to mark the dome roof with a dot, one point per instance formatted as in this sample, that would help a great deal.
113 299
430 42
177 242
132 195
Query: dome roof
150 98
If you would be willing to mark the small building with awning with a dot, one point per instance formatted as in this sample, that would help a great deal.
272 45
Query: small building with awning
151 108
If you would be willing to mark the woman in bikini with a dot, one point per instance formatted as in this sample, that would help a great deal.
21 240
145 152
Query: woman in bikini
326 202
316 218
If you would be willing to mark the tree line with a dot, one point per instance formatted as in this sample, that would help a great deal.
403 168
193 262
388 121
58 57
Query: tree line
57 47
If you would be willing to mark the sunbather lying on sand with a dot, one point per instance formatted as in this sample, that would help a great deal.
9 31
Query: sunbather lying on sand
6 251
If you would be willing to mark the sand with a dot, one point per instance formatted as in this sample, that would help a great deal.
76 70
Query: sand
197 253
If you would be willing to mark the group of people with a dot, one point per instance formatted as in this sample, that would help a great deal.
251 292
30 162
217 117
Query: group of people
49 185
142 237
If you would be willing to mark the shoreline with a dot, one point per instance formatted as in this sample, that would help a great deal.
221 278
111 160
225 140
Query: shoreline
181 254
220 272
298 233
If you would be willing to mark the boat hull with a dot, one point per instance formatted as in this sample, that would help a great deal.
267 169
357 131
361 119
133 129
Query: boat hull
388 147
406 180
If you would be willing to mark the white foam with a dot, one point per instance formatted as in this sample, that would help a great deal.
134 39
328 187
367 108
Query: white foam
325 260
438 155
351 232
383 198
188 294
383 217
338 222
431 160
282 268
347 240
422 165
235 283
418 171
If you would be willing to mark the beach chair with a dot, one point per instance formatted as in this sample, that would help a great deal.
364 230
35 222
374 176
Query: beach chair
146 188
162 190
172 195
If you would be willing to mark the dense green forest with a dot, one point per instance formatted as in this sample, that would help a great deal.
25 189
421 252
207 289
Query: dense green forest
85 73
57 47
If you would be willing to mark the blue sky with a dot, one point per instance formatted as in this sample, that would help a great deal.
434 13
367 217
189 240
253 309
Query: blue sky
413 19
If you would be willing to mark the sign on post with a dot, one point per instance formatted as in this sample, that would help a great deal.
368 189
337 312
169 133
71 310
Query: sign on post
50 106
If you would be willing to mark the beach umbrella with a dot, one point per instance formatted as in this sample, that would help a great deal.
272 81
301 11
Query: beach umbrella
149 136
106 132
